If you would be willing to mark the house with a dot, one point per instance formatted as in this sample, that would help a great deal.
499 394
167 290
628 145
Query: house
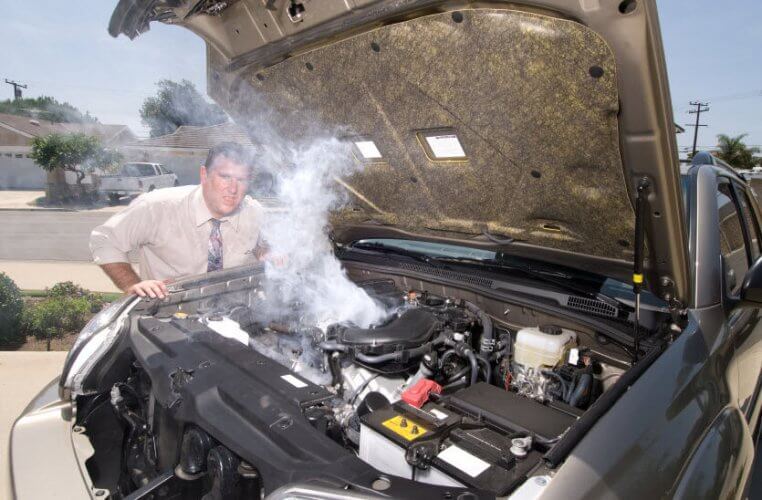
184 150
18 170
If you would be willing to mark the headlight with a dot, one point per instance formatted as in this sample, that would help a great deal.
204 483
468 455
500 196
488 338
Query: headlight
93 341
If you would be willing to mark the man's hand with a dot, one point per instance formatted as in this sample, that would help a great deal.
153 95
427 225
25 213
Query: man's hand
149 288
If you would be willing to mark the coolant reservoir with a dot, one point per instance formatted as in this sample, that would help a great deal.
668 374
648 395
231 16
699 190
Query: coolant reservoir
543 346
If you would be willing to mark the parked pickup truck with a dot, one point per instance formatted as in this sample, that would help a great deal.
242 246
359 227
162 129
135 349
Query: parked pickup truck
137 178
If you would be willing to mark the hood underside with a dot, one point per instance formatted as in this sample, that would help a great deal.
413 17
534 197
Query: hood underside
539 132
533 96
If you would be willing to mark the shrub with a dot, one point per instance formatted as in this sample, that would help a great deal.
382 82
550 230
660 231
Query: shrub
66 289
69 289
55 316
11 306
64 310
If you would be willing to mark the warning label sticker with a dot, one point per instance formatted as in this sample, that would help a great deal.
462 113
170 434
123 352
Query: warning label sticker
405 428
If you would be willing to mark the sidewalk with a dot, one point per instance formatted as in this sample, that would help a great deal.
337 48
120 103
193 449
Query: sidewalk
24 200
19 200
41 274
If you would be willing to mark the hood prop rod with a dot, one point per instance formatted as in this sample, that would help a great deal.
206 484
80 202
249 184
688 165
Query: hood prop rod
637 272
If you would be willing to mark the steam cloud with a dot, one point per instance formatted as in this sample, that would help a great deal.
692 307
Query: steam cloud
312 277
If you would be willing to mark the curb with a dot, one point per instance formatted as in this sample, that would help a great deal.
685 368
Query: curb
29 209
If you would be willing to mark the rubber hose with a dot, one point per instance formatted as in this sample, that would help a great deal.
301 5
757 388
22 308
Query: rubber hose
335 364
333 346
459 374
568 391
487 368
474 366
486 321
391 356
585 381
448 353
457 383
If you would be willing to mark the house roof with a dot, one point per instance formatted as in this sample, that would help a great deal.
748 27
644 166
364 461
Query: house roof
31 127
193 137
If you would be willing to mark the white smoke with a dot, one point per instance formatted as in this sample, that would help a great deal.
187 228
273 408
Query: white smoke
311 276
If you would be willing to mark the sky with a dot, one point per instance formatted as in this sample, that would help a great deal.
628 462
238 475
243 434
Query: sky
63 49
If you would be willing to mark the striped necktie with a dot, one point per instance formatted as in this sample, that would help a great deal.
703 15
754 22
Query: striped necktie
214 259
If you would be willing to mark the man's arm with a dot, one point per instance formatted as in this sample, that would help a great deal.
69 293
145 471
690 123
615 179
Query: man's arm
111 242
122 274
125 278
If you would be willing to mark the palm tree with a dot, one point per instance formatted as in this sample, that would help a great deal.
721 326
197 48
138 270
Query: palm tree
733 151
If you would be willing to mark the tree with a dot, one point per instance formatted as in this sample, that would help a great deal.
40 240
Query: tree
46 108
78 153
733 151
178 104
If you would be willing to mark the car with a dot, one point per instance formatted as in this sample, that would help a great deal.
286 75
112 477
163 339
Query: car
136 178
752 176
566 315
707 158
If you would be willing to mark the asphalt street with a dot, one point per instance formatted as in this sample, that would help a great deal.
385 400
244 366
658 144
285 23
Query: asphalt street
47 235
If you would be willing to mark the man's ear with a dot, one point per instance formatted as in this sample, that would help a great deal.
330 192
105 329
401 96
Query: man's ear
202 174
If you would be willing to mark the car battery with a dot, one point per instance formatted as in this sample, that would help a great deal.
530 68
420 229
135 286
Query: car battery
456 453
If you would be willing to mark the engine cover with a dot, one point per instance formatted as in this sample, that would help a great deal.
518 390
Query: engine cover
411 329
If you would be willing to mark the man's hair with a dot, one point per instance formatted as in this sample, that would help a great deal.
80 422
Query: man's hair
232 151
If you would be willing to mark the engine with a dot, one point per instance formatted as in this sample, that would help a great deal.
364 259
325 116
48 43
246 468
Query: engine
436 392
425 337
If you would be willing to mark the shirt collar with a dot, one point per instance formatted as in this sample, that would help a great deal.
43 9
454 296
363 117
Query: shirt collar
201 213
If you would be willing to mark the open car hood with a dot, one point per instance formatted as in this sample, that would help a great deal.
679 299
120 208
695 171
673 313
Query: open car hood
560 109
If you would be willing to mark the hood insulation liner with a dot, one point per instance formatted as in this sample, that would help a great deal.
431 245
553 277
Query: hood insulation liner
532 99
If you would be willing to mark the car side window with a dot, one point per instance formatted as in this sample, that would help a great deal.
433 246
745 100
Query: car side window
751 222
733 247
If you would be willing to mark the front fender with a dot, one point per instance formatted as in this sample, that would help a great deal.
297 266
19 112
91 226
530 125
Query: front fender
722 461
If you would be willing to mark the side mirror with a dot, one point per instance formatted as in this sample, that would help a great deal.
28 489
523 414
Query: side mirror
751 289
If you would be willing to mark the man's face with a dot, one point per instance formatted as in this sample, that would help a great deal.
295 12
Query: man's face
224 186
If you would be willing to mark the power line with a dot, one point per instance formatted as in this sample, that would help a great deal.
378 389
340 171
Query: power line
700 107
138 91
738 96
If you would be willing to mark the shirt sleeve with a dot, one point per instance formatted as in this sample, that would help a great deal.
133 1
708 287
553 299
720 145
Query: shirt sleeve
122 233
257 213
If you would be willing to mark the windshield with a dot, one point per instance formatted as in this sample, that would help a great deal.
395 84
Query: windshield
137 170
432 249
442 251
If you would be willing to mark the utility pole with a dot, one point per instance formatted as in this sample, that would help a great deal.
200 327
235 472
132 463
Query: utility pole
700 107
16 89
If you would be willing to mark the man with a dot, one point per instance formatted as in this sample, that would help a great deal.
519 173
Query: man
184 230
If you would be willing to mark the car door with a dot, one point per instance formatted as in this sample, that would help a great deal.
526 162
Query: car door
150 177
165 179
157 179
747 327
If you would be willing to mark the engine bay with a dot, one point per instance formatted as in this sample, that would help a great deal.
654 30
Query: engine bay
439 393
